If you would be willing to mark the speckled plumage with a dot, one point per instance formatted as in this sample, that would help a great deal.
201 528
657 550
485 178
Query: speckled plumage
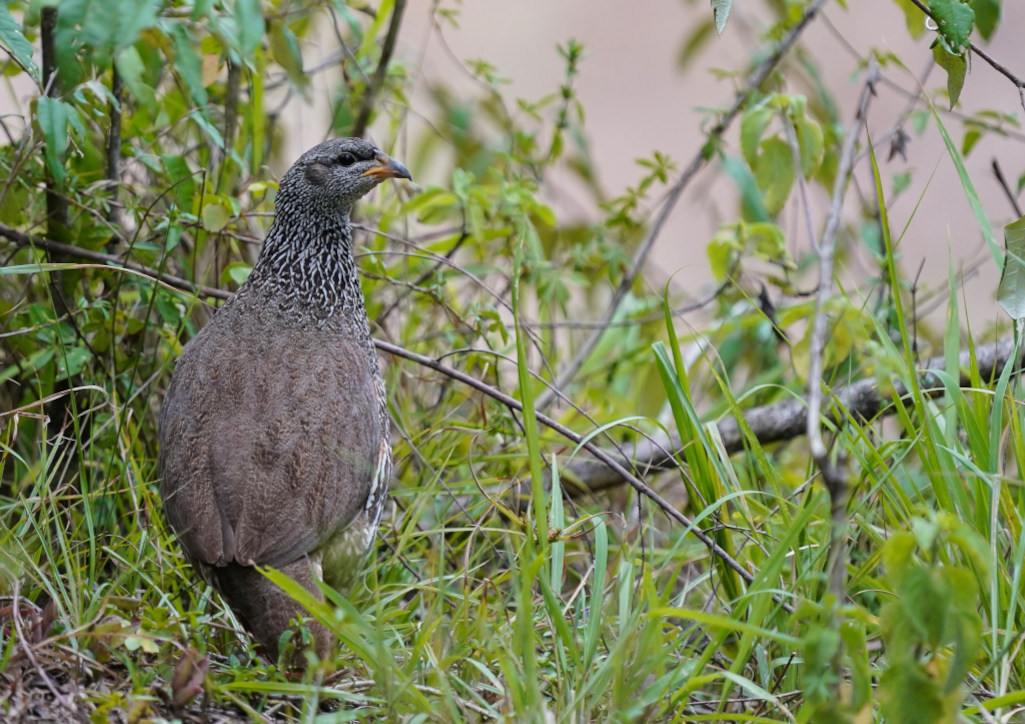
274 430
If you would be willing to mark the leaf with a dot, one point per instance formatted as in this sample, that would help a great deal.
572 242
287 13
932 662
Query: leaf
250 24
1011 290
987 16
131 18
131 67
775 173
285 50
53 115
752 128
721 13
13 39
956 67
188 677
750 197
721 251
189 65
694 43
914 18
215 216
236 272
432 206
954 19
810 142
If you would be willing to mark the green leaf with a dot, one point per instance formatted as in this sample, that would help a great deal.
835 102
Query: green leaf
250 26
53 116
13 39
954 19
969 188
810 141
1011 290
901 181
775 173
721 13
432 205
914 19
284 48
188 64
750 197
752 128
956 67
215 215
971 137
130 66
721 251
179 175
694 43
987 16
236 272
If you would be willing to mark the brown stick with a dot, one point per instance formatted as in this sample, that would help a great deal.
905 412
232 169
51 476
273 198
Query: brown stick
366 105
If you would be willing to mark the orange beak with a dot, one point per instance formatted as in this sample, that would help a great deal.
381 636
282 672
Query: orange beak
387 167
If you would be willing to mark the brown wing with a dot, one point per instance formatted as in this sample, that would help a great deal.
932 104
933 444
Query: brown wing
263 459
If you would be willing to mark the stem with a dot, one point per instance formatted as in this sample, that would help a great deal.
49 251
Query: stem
370 95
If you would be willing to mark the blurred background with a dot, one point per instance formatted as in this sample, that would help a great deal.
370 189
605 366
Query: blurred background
640 95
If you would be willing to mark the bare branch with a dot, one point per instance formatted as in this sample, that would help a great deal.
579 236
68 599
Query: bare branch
366 105
863 401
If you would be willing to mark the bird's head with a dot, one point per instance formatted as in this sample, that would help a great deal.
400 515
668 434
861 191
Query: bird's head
337 173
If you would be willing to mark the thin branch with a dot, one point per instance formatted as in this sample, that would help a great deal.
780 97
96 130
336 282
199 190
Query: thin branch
1006 187
834 474
827 247
370 94
697 163
117 91
55 247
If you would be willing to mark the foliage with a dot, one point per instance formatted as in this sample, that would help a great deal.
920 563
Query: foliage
501 588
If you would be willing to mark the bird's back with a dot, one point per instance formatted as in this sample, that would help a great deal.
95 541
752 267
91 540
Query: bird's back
267 450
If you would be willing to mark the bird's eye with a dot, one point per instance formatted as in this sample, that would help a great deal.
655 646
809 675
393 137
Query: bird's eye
346 159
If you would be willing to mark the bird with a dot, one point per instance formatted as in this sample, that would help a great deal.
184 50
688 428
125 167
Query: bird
274 445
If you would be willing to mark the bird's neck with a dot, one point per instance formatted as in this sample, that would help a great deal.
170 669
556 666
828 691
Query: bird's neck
307 267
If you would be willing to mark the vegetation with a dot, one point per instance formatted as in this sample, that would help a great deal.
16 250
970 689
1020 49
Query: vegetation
623 520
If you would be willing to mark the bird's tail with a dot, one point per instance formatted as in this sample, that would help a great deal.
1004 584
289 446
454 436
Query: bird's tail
267 611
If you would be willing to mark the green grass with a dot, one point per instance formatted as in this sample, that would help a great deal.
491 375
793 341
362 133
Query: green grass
602 612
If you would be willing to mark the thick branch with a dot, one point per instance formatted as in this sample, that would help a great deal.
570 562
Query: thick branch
786 420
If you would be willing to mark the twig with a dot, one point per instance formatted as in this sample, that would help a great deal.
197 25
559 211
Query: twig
827 248
56 206
834 475
26 646
366 105
697 163
114 151
998 172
